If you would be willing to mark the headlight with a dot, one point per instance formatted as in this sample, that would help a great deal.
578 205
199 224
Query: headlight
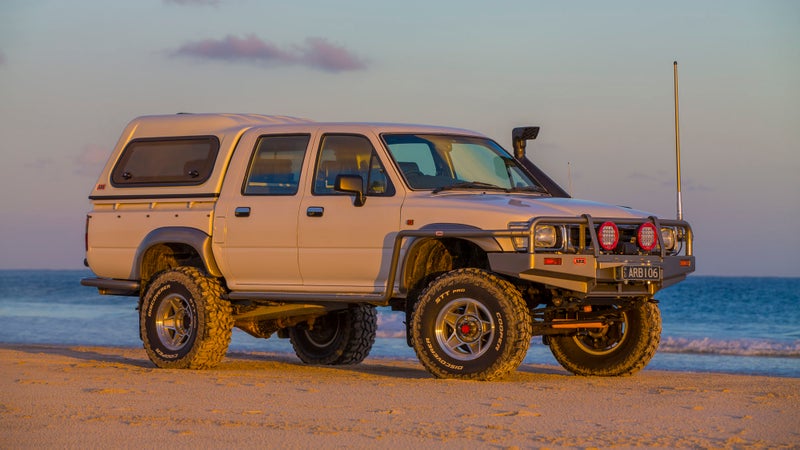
545 236
668 237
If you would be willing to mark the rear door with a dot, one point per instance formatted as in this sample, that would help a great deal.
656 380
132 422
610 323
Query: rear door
255 224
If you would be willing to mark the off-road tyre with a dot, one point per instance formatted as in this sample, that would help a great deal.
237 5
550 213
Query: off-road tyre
470 324
621 349
184 322
337 338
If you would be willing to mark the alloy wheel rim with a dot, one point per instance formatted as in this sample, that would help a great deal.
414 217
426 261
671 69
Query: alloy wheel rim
465 329
174 323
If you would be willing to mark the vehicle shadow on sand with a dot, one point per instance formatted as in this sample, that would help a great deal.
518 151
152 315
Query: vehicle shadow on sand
106 355
258 361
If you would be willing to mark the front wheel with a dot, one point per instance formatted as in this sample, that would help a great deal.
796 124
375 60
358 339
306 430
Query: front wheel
623 347
337 338
184 322
471 324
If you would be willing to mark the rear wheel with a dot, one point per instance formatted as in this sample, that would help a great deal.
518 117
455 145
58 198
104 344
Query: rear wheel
185 323
337 338
471 324
623 347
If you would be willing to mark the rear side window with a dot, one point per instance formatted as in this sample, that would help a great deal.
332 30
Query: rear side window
275 165
166 161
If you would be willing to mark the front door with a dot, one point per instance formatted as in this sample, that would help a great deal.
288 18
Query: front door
343 247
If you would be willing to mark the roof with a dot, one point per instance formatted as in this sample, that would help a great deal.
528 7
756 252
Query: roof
184 124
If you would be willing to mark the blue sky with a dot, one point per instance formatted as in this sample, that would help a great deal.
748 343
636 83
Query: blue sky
597 76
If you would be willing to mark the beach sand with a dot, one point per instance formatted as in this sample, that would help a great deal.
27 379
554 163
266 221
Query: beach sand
91 397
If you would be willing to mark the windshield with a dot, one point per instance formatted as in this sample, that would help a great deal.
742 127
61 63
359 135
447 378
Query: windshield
439 162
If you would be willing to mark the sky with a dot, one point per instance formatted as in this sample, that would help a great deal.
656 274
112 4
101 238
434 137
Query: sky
596 76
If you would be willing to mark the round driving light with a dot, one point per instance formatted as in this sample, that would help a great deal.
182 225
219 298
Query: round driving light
646 236
608 234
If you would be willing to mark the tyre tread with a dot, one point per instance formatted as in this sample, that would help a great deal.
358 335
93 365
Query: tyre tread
210 348
634 361
519 317
358 339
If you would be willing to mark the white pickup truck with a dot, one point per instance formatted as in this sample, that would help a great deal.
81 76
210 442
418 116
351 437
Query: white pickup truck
281 225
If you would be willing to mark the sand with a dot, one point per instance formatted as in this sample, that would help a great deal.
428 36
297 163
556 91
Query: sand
101 397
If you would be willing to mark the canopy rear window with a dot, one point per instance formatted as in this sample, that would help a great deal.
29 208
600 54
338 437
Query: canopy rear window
166 161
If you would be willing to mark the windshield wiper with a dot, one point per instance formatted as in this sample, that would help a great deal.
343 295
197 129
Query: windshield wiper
537 189
469 185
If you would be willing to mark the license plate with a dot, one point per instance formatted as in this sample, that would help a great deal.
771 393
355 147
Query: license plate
641 273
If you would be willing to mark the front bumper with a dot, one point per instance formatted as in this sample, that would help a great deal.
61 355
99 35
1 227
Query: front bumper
594 273
595 276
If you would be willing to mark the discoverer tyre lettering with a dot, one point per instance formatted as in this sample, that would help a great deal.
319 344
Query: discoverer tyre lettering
471 324
184 321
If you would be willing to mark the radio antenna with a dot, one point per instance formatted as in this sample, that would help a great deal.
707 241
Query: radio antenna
569 178
677 141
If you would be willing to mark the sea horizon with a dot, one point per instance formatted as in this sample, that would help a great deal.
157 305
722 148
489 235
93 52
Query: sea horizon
708 323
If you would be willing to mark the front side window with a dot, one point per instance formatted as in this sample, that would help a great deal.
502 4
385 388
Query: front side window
166 161
440 162
350 155
275 165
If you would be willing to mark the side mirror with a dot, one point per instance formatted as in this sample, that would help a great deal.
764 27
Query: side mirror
351 184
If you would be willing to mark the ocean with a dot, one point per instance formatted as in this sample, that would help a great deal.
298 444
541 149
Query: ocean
710 324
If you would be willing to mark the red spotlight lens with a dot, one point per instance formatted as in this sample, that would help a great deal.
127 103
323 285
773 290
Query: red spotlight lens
647 237
608 234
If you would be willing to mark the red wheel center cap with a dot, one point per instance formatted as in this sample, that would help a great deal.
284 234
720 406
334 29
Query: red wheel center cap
466 328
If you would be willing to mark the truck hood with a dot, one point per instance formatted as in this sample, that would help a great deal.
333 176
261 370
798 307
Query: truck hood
490 210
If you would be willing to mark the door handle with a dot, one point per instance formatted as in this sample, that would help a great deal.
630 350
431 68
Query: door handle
242 211
315 211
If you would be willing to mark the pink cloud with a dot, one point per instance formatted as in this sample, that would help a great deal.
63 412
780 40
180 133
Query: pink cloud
234 48
321 54
315 52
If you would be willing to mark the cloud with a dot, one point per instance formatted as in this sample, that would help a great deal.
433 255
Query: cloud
40 163
315 52
91 160
321 54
